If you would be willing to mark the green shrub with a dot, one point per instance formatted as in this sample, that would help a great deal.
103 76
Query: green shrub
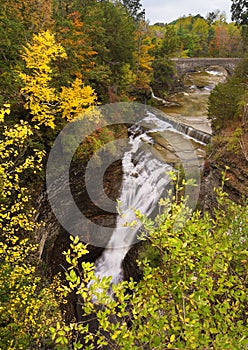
224 102
193 295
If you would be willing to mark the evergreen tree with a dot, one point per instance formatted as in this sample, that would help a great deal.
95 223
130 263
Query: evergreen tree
134 8
239 10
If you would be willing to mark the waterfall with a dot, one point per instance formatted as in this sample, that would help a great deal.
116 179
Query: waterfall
158 99
186 130
144 181
162 101
193 133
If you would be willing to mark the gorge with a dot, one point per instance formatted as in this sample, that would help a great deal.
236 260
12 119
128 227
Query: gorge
145 178
123 178
157 143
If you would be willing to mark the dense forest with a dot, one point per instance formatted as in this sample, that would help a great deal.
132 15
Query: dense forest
59 59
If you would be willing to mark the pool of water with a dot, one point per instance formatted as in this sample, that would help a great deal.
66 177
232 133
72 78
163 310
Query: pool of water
192 109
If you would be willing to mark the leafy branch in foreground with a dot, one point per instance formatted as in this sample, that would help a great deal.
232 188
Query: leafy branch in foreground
192 296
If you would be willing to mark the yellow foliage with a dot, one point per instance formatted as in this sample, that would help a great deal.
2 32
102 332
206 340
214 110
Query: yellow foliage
3 111
77 98
27 307
39 54
42 100
142 57
14 215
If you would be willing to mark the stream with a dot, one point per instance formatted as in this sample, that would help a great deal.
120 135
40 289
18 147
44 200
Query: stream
193 102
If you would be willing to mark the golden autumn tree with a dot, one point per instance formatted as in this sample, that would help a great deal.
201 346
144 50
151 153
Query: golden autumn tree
29 306
75 99
44 102
41 99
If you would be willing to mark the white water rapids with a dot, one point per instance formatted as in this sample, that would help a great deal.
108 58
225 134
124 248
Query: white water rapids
144 181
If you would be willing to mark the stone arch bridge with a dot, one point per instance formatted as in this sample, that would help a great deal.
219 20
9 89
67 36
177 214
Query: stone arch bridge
186 65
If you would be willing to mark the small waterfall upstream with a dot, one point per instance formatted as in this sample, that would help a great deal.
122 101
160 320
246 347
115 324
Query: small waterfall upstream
145 179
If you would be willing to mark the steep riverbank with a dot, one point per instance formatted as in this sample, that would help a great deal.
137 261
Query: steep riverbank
54 239
230 159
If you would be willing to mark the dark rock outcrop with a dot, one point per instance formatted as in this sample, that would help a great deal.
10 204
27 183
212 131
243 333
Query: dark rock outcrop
234 167
53 239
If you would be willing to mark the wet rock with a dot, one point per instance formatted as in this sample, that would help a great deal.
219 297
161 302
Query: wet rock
53 239
130 266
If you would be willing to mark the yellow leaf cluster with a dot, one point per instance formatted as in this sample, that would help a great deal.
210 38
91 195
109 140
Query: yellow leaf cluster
27 307
14 213
3 111
41 98
76 99
44 102
39 54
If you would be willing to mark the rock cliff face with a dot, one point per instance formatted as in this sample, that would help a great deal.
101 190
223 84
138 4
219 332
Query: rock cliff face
52 237
234 164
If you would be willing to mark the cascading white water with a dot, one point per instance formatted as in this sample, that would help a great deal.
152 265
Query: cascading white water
144 181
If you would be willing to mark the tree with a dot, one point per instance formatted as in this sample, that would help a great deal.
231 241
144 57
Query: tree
75 100
239 10
74 37
135 9
119 32
201 29
163 75
142 57
170 45
212 16
163 67
118 44
215 16
235 41
42 100
222 109
28 304
19 21
99 40
224 100
193 33
219 44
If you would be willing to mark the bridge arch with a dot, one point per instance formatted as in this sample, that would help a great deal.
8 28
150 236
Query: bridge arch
186 65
